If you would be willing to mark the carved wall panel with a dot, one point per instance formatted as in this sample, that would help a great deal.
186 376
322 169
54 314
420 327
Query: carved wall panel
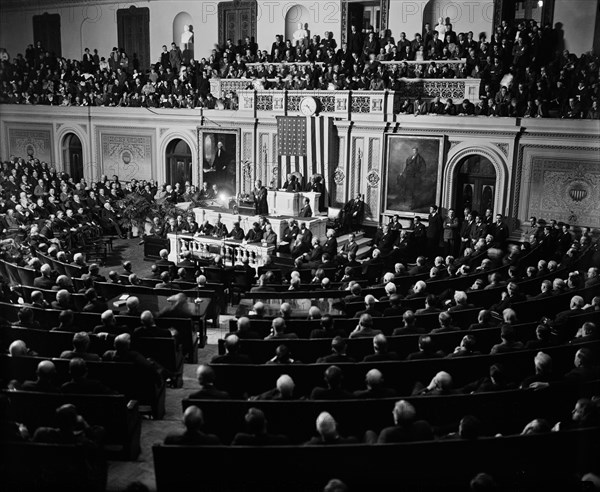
23 142
127 156
567 190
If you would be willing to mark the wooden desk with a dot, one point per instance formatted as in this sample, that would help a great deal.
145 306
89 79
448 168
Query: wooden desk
316 225
284 202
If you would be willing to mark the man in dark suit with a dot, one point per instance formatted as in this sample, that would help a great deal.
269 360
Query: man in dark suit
164 261
244 330
81 343
80 383
334 391
237 232
260 199
409 327
338 352
306 210
256 432
46 373
232 355
380 350
369 308
110 219
375 388
406 427
269 236
500 231
193 420
255 234
148 328
385 243
45 281
350 247
434 231
466 232
355 40
354 211
206 381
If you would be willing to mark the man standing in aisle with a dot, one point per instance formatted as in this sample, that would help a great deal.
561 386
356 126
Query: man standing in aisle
434 231
260 199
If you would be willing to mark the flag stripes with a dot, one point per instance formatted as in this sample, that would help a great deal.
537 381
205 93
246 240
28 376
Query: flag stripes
303 145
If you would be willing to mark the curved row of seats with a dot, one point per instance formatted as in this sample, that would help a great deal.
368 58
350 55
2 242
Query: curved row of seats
253 379
535 462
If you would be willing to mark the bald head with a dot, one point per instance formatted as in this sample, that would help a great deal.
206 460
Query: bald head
193 418
374 378
205 375
122 341
147 318
132 303
243 323
231 343
46 369
404 411
326 426
285 385
278 325
17 348
107 317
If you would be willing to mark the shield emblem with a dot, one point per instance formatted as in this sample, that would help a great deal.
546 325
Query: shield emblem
578 194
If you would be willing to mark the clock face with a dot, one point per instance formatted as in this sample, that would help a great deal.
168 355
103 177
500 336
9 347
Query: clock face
308 106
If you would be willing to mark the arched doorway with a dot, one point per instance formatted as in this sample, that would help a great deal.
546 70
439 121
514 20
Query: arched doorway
72 154
476 184
179 162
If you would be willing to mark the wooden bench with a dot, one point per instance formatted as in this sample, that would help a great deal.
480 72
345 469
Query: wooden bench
48 318
251 379
504 412
123 377
309 350
117 414
518 461
28 466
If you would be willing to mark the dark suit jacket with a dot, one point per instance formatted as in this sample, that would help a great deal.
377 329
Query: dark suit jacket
375 393
43 283
231 359
188 438
319 393
435 227
334 359
85 386
209 393
244 439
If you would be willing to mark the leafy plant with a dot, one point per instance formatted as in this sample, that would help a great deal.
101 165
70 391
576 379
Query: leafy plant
135 210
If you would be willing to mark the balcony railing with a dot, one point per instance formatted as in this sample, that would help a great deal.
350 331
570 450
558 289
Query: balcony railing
346 104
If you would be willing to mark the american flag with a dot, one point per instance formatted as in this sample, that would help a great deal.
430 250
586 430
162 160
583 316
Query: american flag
303 145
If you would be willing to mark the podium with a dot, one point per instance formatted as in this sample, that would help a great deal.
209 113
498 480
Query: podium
284 203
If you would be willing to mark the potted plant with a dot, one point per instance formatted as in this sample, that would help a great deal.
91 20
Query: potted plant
135 211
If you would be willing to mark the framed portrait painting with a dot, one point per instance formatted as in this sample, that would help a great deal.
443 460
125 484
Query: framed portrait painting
414 170
219 158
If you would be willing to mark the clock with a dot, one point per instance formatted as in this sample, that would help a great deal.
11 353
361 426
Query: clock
308 106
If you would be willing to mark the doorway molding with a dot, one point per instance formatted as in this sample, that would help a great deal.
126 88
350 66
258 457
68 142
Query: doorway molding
455 160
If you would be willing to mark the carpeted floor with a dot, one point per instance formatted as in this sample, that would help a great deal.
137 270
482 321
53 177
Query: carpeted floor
123 473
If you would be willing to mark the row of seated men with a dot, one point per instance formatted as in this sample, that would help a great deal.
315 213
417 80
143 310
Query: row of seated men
585 369
427 348
407 428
